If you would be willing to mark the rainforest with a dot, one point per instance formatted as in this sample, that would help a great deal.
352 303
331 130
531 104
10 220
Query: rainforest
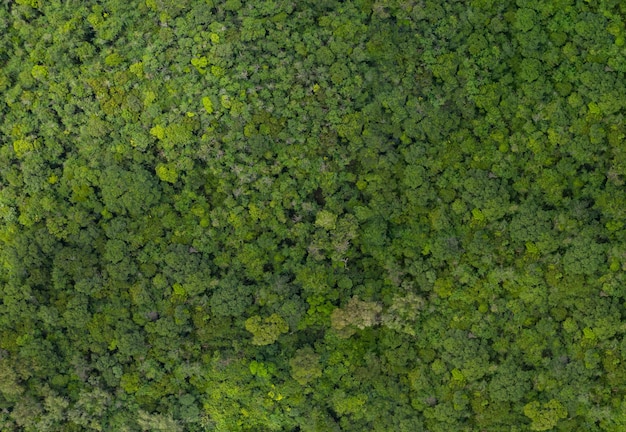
312 215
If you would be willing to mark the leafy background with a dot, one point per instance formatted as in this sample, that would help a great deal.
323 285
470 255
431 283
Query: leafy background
312 215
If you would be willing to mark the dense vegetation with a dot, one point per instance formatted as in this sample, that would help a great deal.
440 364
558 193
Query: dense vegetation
316 215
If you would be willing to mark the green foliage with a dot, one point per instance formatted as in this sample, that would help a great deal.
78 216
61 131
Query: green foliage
167 172
403 314
326 220
305 366
265 331
207 104
316 215
157 422
357 314
545 416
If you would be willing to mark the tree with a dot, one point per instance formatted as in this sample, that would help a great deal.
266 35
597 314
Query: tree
157 422
357 314
265 331
305 366
544 416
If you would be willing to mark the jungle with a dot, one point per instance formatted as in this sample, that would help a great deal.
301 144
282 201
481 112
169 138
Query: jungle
312 215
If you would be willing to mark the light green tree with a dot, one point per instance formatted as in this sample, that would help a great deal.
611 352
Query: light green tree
545 416
265 331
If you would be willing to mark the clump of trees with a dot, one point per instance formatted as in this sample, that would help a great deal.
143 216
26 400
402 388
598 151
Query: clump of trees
312 216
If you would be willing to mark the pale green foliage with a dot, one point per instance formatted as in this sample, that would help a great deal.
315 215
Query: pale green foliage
357 314
9 381
326 220
265 331
157 422
403 314
544 416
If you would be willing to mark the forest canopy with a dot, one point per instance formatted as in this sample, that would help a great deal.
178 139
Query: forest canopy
274 215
